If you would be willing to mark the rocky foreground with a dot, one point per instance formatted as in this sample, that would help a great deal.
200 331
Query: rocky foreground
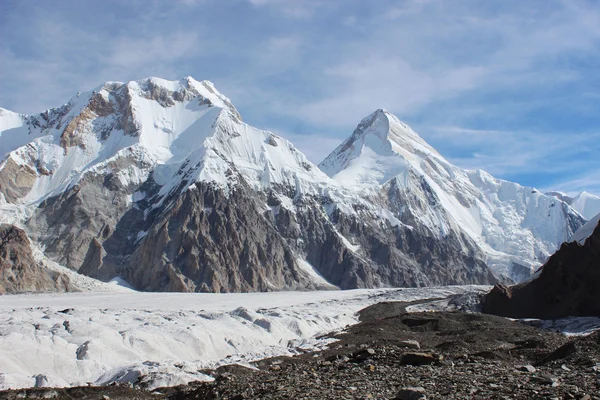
392 354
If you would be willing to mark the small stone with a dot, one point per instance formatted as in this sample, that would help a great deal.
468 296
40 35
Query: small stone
565 368
362 355
411 393
545 379
526 368
275 367
410 344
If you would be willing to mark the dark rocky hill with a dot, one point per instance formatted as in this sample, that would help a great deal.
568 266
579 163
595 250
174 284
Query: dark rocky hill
568 285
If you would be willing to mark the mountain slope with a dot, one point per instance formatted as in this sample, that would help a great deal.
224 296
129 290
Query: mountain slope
584 203
587 205
567 286
161 183
514 226
19 270
586 230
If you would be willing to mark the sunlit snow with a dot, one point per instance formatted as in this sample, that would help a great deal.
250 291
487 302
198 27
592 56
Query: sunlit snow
79 338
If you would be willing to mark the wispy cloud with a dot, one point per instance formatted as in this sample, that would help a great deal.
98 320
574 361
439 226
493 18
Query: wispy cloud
587 181
512 84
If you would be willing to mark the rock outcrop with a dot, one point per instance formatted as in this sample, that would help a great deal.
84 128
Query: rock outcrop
19 271
566 286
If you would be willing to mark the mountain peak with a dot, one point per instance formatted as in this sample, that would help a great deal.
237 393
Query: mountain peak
380 148
586 204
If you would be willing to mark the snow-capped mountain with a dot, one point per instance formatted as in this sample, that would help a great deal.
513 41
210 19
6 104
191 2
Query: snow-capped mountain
584 203
162 184
516 227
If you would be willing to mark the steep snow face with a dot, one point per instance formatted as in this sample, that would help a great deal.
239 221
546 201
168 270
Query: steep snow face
147 122
124 147
586 204
586 230
134 148
380 148
178 129
262 158
517 227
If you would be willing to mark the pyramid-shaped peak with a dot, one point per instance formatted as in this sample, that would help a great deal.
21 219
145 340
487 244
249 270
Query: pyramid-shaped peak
380 146
384 126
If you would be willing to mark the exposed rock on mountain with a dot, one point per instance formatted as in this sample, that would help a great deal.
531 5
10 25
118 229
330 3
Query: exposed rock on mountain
584 203
566 286
515 228
162 184
19 271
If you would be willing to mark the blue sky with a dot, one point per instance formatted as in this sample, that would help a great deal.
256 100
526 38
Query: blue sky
511 87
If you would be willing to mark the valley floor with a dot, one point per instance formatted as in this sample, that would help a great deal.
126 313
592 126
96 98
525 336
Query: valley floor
461 356
167 339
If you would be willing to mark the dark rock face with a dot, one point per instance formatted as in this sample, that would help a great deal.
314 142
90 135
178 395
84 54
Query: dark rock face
207 239
567 286
19 271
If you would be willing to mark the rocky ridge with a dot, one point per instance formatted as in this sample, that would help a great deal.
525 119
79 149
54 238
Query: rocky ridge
585 203
19 270
567 285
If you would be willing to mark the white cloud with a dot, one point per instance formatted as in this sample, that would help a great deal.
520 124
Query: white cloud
324 65
316 147
588 182
291 8
503 153
392 83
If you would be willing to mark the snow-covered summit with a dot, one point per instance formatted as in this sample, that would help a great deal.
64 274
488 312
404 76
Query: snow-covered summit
586 204
185 128
517 227
98 180
380 148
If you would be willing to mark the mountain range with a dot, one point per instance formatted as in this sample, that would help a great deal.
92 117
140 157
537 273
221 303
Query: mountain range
161 184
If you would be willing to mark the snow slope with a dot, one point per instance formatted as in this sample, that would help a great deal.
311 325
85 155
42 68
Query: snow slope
586 204
112 121
586 230
198 133
172 133
512 224
73 339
